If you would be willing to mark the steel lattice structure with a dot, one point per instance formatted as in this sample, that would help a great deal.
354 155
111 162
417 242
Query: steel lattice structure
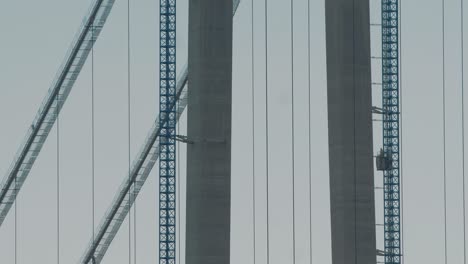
391 130
52 104
167 137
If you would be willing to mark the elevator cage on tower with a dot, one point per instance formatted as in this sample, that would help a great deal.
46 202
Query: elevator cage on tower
167 139
391 130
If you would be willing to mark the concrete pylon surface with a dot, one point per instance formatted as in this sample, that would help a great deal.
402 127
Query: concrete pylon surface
350 132
209 128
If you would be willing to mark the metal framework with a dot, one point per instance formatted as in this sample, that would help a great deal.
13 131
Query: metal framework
391 130
167 136
140 170
52 104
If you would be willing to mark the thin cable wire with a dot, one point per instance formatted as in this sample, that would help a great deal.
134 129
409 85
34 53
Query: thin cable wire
178 193
58 177
92 139
253 135
134 227
354 136
443 119
129 162
402 224
292 137
129 133
463 125
309 135
267 135
16 222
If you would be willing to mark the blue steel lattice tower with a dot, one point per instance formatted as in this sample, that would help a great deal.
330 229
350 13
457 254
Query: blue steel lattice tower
391 132
167 139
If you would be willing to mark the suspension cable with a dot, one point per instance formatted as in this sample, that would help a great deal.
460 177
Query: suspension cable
267 136
134 227
16 223
93 204
309 136
354 137
129 133
443 130
253 135
292 136
179 201
401 133
463 125
58 178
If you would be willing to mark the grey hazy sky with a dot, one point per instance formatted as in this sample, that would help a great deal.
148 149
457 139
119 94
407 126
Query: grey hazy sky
35 36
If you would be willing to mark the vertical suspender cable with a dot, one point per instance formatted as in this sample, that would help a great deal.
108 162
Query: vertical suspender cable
292 136
463 125
309 132
134 224
92 139
58 178
133 192
443 130
129 134
16 225
178 190
254 231
401 133
267 136
354 138
134 227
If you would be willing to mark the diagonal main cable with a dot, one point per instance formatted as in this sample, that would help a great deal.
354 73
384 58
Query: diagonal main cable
52 104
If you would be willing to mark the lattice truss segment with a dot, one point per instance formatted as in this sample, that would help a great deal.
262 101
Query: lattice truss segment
391 130
52 104
167 137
